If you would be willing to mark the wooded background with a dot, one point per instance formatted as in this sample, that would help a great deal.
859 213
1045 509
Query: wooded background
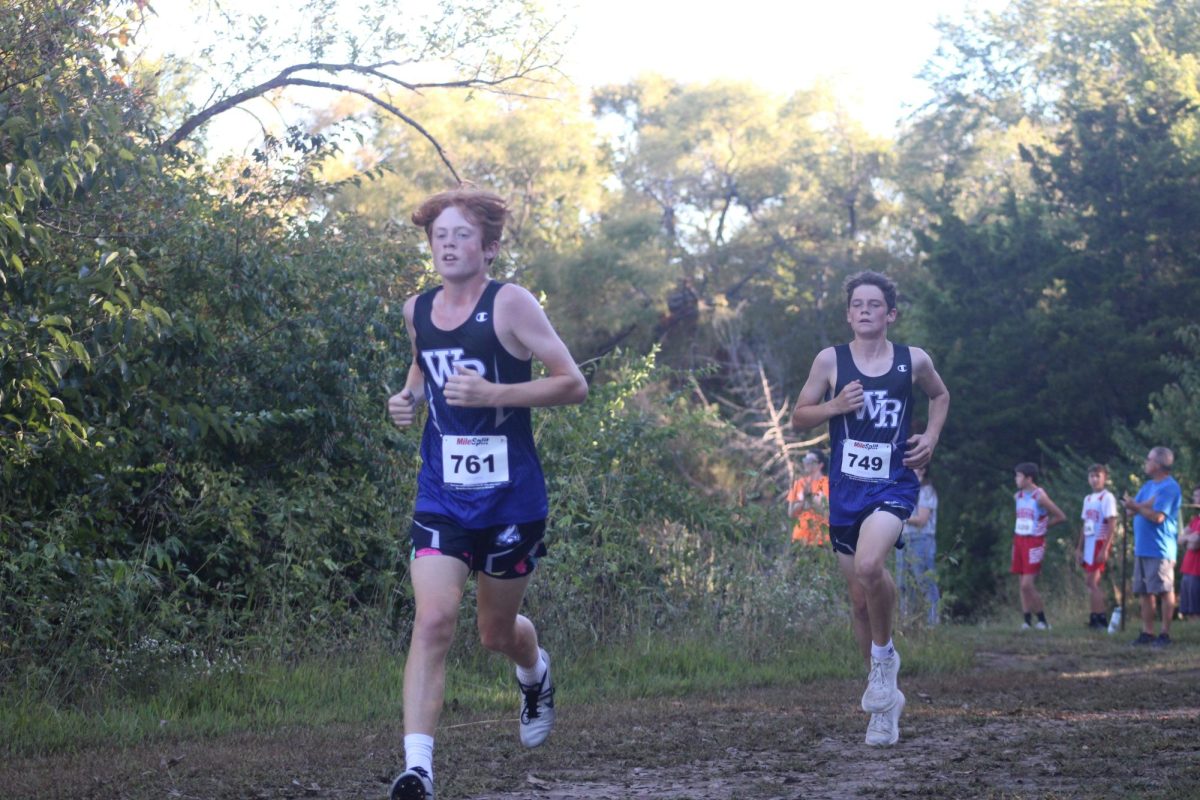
195 353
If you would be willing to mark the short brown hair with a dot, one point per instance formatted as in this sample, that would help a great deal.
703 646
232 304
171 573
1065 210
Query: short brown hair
869 278
483 208
1098 468
1028 469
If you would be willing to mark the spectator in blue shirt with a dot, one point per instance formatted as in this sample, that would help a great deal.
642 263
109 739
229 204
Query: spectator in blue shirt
1155 513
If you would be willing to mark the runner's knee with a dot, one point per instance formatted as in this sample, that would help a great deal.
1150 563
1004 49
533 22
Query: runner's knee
435 626
869 571
497 637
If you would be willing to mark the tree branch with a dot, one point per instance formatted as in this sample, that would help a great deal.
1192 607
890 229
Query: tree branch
288 77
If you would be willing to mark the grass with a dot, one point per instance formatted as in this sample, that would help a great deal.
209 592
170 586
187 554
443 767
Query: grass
365 687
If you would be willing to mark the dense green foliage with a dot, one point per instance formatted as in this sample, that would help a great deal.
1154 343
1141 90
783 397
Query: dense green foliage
195 355
195 449
192 378
1055 288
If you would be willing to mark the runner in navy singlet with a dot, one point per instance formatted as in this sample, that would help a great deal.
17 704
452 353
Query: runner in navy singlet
481 496
864 391
868 446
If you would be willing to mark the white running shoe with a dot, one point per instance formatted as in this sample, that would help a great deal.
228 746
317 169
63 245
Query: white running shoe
1041 626
1026 626
884 729
537 708
412 784
881 691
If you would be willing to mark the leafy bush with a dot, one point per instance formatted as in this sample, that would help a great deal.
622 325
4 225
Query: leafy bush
194 452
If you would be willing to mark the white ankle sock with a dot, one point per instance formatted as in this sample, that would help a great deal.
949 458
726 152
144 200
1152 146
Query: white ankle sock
881 652
418 752
532 675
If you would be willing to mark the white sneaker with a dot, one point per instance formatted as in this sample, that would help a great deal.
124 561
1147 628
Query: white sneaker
1042 626
884 729
881 691
537 708
1026 626
412 784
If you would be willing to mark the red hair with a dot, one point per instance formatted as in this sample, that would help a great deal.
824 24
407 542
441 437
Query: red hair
485 209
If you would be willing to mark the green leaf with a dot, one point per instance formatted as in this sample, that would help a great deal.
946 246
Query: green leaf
13 223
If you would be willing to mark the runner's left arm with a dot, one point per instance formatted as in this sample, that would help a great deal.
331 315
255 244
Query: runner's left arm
528 328
1108 529
921 446
1055 514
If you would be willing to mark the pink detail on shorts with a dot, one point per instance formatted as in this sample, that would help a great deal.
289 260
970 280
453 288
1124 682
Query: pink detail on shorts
521 568
428 551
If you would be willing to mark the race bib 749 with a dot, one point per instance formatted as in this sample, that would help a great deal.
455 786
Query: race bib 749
867 461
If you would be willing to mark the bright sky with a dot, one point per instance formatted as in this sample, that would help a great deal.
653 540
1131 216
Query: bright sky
870 50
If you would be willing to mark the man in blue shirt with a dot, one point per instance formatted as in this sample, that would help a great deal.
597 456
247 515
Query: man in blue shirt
1155 513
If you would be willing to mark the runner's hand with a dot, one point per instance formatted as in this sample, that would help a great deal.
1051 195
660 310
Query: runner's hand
850 398
402 408
919 450
468 389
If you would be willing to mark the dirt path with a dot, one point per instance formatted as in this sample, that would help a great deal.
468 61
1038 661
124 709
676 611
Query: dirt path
1026 722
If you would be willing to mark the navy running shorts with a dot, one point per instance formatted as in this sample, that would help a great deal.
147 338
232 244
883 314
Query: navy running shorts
844 538
499 551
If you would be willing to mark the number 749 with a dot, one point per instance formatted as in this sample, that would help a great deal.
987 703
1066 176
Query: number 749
871 463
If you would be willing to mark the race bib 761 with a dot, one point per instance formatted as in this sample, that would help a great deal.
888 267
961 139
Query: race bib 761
474 462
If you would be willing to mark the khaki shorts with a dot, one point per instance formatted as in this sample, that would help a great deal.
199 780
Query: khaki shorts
1153 575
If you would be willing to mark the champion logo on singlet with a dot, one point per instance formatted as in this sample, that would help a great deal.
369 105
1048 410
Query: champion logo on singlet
481 316
881 408
440 364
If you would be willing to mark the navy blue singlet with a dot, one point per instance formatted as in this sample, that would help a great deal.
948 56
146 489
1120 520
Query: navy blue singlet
867 447
480 466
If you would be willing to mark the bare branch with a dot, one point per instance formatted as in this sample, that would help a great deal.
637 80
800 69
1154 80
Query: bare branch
288 77
393 110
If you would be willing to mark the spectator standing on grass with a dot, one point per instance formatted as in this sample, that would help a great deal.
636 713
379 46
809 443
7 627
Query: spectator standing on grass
1099 517
916 568
1155 513
808 502
1036 514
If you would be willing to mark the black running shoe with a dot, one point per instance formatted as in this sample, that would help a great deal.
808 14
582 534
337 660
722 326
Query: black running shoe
412 784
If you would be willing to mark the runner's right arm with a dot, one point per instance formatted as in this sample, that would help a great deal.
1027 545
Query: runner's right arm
811 408
1079 545
402 406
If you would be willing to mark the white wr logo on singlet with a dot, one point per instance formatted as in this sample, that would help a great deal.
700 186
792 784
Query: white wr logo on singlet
879 407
